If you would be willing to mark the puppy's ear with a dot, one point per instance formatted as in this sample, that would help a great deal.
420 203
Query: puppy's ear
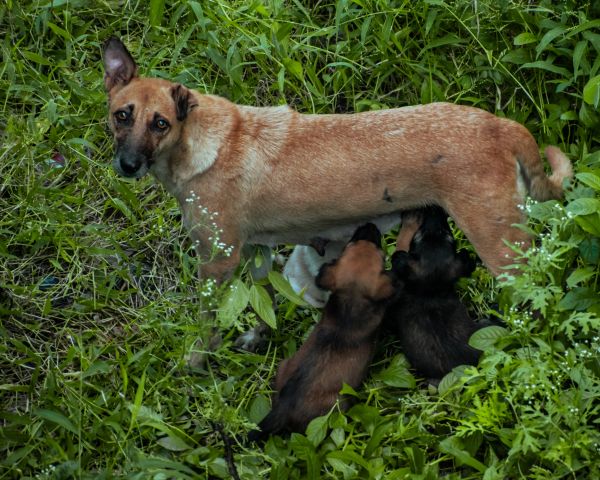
464 265
326 277
400 263
368 232
184 101
119 66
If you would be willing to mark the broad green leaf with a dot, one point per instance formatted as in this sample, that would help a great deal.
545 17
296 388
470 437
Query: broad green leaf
584 206
549 66
56 417
176 469
347 471
262 305
590 250
34 57
590 179
349 456
485 338
580 275
579 299
233 304
448 381
524 38
305 451
283 287
416 458
348 390
316 431
591 91
173 443
59 31
588 116
519 56
377 436
548 37
590 24
397 374
294 67
97 367
338 435
578 53
589 223
454 447
259 408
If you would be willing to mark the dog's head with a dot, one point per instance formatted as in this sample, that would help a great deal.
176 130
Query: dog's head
360 269
146 115
432 260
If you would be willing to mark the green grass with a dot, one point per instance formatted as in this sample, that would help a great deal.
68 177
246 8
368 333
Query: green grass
100 311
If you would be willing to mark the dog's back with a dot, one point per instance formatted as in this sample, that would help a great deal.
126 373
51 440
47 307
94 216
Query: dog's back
432 324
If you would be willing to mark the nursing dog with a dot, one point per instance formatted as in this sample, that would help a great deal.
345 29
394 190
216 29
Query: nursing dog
340 348
270 175
432 324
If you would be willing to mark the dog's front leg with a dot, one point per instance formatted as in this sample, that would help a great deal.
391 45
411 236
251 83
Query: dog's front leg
218 249
216 265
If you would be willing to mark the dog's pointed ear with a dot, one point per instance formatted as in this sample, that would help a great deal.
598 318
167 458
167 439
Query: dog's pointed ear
184 101
119 66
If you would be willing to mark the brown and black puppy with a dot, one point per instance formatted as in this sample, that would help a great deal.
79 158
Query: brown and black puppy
432 324
341 346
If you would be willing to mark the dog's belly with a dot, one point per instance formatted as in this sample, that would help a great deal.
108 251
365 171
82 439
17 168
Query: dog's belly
303 235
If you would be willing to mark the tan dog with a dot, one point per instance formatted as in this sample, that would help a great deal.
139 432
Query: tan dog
271 175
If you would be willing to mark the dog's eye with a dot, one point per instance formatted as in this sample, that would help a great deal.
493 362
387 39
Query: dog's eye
121 116
161 124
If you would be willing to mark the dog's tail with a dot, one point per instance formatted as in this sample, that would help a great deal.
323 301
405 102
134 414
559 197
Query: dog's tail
540 186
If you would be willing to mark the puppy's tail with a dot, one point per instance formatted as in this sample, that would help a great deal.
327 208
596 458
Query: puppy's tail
540 186
274 422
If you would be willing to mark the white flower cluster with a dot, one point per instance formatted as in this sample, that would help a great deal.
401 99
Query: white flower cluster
518 320
46 472
586 350
207 219
208 288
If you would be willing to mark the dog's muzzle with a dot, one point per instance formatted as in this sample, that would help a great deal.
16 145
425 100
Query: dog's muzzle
130 165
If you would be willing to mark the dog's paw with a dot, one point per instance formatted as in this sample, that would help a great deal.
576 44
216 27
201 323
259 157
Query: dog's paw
254 339
197 357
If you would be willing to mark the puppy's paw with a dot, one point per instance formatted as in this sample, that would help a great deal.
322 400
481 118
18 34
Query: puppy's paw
254 339
411 222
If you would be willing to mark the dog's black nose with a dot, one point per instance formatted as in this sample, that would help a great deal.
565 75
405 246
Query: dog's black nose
367 232
129 165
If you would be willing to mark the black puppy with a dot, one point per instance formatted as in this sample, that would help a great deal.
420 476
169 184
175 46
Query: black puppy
432 324
340 348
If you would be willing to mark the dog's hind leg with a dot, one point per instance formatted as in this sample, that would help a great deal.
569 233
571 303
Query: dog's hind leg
489 227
